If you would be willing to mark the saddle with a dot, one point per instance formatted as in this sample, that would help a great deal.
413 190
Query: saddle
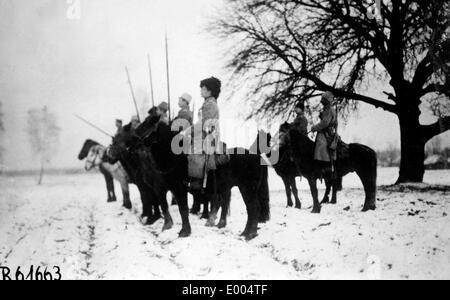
197 163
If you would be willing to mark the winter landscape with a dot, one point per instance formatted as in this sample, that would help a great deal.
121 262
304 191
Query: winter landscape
90 90
68 223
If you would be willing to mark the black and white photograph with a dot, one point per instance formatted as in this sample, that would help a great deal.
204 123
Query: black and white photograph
224 140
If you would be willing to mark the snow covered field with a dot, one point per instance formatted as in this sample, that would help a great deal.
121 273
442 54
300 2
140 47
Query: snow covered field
66 222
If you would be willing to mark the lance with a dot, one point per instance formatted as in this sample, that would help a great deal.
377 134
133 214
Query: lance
193 112
132 94
92 125
168 77
151 80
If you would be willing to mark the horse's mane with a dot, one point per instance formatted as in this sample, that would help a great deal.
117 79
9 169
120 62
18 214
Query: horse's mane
301 143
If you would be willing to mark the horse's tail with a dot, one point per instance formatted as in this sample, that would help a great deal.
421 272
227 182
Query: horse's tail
366 164
263 195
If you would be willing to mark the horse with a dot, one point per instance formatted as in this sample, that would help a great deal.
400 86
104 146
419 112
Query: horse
286 169
244 171
352 158
93 152
138 163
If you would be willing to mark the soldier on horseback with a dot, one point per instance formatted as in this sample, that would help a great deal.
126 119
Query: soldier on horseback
327 137
185 113
206 134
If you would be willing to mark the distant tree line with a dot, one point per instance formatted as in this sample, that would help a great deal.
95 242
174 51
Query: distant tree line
436 155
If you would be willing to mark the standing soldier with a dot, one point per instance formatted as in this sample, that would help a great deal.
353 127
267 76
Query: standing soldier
326 129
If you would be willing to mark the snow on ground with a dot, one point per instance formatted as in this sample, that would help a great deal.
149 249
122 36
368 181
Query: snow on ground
66 222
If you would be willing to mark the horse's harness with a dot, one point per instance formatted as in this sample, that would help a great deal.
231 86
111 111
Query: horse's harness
92 162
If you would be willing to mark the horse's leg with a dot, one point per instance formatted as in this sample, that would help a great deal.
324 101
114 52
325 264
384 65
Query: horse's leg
204 200
214 199
212 196
328 184
298 204
146 207
125 194
287 188
196 206
168 222
370 187
251 204
109 185
174 200
313 186
156 210
181 195
225 204
334 183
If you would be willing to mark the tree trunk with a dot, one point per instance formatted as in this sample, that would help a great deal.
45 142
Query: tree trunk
412 146
41 174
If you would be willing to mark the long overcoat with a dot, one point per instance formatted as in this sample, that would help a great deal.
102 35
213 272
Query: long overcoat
326 131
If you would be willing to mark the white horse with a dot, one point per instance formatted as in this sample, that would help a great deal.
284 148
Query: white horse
93 152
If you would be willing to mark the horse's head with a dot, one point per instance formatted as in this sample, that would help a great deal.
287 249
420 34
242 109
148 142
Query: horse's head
88 144
283 137
120 144
148 128
94 157
262 143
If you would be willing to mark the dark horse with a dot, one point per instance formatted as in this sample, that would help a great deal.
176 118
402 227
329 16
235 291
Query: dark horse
285 167
137 163
354 158
244 171
93 152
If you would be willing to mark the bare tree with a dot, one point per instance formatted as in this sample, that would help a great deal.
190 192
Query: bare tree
290 51
43 134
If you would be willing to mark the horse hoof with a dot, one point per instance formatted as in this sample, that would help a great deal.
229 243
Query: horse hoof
222 225
204 216
334 202
316 210
250 236
153 220
368 208
111 200
167 226
298 206
210 223
325 201
127 205
290 204
184 233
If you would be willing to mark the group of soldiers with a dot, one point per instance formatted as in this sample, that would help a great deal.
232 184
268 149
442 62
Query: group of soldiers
208 125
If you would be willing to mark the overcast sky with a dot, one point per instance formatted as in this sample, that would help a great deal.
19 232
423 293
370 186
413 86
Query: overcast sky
78 66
